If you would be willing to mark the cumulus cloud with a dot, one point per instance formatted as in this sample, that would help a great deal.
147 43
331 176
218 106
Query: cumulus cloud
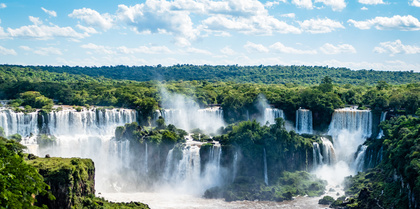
279 47
371 2
46 51
93 18
307 4
415 3
289 15
336 5
320 25
364 8
397 22
5 51
40 31
88 30
49 12
253 47
227 50
100 49
338 49
193 50
2 5
26 48
396 47
156 16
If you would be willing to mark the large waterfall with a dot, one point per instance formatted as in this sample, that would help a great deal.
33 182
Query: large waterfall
23 124
349 129
304 121
208 119
270 115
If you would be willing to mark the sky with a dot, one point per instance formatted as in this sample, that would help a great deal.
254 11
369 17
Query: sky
357 34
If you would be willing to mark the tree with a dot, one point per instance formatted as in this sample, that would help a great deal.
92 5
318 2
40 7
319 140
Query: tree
326 84
19 182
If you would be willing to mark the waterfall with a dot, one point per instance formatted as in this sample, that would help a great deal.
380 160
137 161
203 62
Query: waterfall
360 159
265 169
270 115
168 166
304 121
235 165
208 119
381 132
20 123
146 156
323 154
351 120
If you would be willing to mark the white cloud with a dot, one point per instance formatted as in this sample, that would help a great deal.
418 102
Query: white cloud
227 50
252 47
415 3
144 50
289 15
49 12
396 47
46 51
364 8
35 20
2 5
272 3
88 30
257 25
397 22
371 2
40 31
5 51
303 3
279 47
198 51
93 18
339 49
336 5
157 17
320 25
100 49
26 48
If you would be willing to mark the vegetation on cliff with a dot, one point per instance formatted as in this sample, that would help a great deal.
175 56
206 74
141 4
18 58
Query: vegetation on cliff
395 182
20 183
287 158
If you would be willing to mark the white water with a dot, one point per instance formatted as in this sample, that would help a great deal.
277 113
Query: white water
349 129
210 120
270 115
381 132
360 159
265 169
323 154
23 124
304 121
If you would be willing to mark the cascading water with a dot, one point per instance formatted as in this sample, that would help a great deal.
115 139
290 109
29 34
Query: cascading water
20 123
265 168
381 132
146 157
304 121
208 119
86 134
360 159
349 128
270 115
235 165
323 154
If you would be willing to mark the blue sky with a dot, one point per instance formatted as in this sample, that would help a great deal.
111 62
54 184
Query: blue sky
358 34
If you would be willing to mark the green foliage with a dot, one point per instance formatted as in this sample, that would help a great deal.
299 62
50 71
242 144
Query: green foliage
36 100
15 137
18 180
289 184
44 140
326 200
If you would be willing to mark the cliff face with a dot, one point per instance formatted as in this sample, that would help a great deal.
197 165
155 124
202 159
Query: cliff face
70 180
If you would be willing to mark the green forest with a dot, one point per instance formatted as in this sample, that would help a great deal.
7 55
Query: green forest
237 90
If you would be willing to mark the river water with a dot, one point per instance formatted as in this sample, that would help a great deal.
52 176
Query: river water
181 201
